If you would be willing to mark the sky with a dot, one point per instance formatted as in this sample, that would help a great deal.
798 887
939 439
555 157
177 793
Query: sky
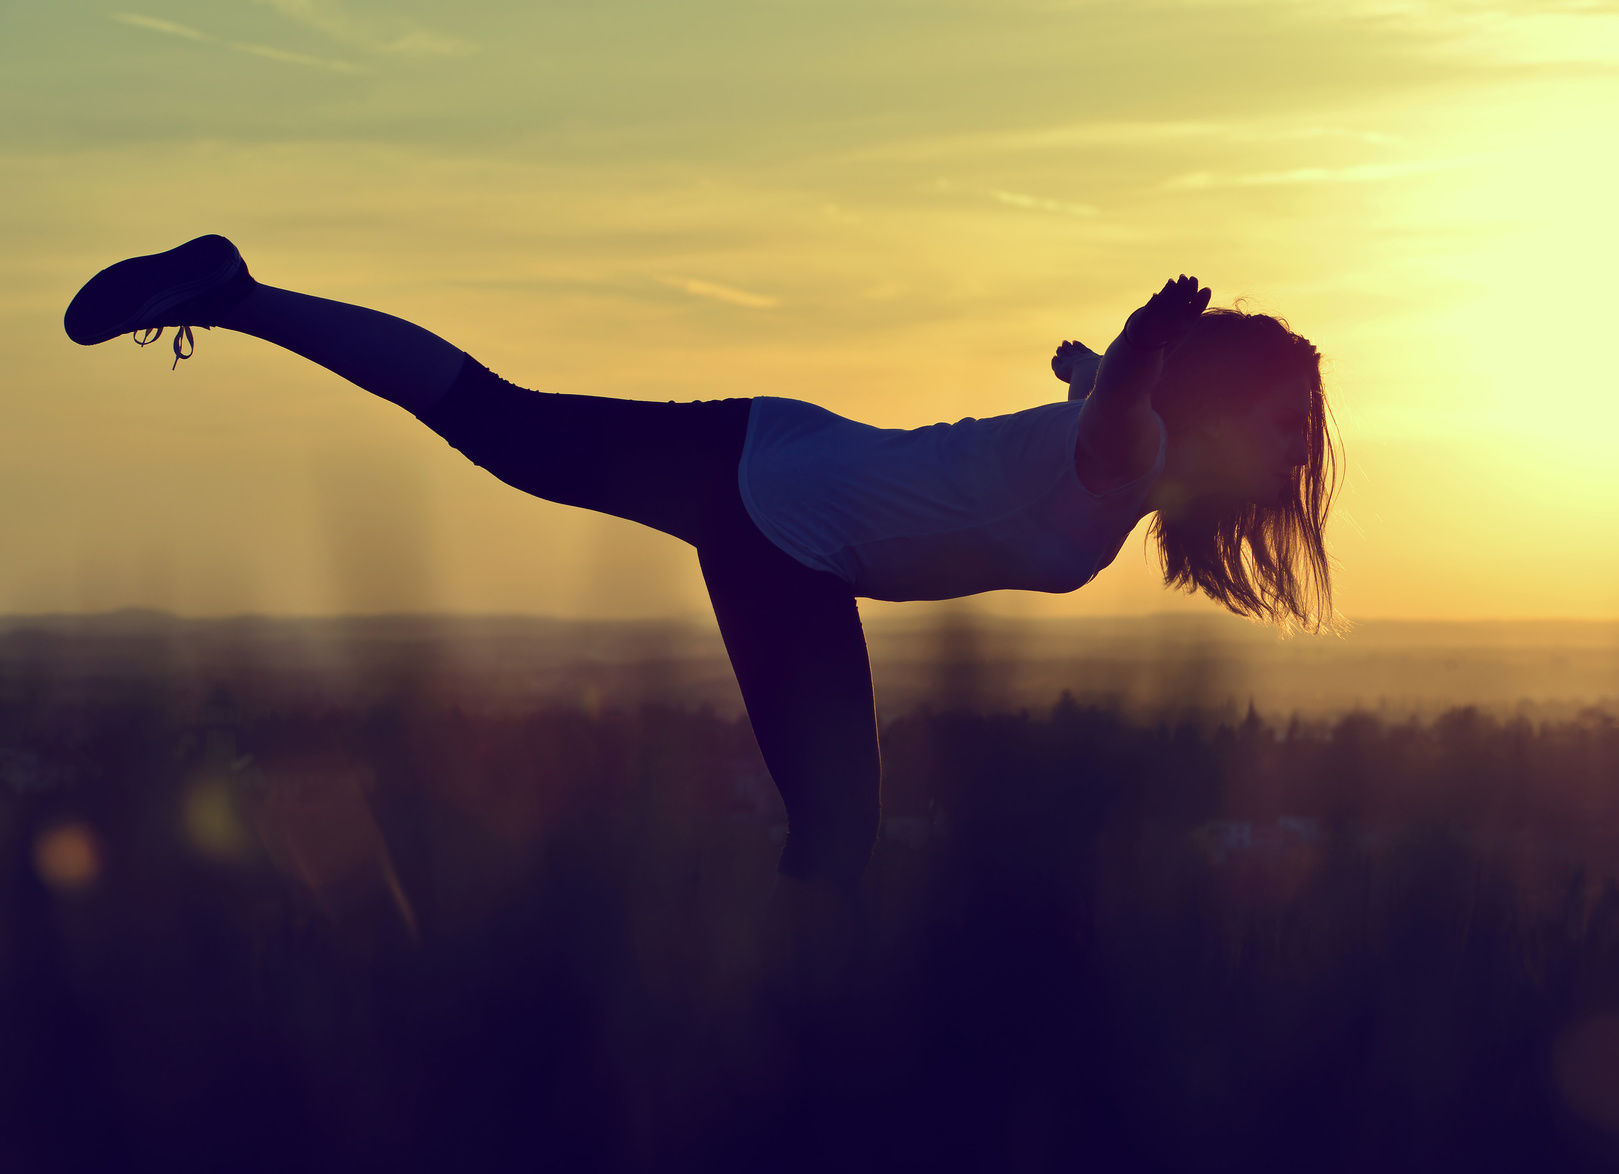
893 208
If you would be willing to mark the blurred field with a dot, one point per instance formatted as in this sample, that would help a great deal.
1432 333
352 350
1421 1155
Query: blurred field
374 894
920 656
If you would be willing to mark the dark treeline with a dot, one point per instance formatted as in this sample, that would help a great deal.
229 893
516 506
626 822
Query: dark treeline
416 938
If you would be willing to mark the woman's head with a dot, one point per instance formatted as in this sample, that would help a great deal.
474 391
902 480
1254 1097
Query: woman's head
1256 469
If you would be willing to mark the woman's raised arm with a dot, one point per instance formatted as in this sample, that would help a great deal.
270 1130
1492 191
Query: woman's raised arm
1118 440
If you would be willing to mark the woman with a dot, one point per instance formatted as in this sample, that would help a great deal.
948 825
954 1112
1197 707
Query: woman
1213 419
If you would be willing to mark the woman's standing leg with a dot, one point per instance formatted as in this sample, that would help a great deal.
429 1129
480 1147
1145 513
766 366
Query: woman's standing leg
796 643
799 652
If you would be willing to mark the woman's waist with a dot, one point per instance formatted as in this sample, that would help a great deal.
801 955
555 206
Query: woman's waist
1005 557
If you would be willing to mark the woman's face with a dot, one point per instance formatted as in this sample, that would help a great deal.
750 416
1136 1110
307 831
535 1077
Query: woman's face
1263 441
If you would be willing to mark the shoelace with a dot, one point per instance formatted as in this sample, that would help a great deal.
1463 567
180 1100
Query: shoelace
182 334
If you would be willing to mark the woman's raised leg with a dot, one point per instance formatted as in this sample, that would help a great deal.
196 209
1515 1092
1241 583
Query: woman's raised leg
387 356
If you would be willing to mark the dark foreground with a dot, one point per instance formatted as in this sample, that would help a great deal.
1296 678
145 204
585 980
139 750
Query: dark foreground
405 937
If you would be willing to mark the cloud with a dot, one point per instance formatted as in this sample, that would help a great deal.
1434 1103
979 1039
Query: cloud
1501 31
272 54
1037 204
163 26
1359 173
268 52
326 17
721 293
1107 134
421 43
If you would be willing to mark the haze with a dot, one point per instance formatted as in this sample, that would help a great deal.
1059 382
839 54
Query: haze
893 209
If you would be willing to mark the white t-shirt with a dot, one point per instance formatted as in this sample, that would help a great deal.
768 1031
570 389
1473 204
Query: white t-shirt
936 512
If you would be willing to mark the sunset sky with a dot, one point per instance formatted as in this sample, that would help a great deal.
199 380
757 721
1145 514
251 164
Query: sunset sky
894 208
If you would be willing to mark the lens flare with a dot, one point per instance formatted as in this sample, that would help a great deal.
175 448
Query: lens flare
67 857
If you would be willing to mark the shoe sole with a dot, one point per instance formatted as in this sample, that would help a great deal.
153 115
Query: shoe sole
121 298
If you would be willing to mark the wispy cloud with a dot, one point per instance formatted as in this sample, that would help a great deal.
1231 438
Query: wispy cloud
1014 199
1516 31
422 43
714 291
1359 173
163 26
1037 204
327 17
268 52
1110 134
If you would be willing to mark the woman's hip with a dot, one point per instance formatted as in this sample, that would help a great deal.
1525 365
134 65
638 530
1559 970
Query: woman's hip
671 466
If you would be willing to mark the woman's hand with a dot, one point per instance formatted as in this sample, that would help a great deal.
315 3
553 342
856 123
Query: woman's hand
1118 433
1075 358
1168 315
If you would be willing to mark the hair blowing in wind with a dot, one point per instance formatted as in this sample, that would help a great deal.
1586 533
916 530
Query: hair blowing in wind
1266 560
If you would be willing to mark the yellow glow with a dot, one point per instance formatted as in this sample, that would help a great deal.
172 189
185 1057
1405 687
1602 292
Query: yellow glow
211 821
1424 189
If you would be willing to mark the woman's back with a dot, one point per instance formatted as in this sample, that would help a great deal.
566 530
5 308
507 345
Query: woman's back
936 512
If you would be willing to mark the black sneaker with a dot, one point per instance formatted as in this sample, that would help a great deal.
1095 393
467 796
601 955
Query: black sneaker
195 284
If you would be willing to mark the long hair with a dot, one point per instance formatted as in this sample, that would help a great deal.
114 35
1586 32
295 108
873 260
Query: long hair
1267 562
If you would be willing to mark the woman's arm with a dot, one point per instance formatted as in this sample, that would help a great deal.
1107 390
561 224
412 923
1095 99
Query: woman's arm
1118 439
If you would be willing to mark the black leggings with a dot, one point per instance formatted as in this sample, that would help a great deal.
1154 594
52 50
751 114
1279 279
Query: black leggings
793 634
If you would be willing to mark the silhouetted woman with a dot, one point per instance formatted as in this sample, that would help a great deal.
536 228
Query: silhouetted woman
1213 419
